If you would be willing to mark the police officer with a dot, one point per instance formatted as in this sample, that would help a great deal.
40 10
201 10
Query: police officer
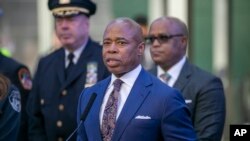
19 75
10 108
63 74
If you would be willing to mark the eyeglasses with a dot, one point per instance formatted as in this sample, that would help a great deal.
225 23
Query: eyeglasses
161 38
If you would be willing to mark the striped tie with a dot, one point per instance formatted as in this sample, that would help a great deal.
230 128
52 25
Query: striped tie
165 77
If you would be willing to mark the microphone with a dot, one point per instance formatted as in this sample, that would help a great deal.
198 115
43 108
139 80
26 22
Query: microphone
88 107
84 114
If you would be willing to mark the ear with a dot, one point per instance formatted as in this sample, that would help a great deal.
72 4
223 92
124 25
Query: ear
184 42
141 48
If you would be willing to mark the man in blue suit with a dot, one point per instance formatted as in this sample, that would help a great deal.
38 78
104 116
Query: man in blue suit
62 75
202 91
144 108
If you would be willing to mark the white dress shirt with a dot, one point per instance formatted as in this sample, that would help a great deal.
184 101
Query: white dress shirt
174 72
77 54
128 82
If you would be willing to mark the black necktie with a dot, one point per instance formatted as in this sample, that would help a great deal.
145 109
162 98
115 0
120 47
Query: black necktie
70 66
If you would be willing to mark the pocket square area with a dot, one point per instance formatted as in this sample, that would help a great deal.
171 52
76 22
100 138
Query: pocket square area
188 101
142 117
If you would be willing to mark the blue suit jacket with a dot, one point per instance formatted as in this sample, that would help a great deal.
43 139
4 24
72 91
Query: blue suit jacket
204 96
169 116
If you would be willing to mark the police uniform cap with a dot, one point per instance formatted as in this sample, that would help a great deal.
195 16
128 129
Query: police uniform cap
64 8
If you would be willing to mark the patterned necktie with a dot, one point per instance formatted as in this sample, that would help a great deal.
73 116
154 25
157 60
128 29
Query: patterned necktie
70 66
110 111
165 77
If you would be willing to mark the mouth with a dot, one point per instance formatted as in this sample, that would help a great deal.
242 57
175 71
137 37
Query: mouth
112 62
65 36
155 53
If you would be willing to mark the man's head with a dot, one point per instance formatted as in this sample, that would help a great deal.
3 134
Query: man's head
72 21
168 37
123 46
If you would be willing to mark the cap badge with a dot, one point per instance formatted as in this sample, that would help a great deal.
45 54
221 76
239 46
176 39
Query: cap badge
64 1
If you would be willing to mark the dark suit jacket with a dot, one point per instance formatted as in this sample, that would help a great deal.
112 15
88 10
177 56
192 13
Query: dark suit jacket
53 101
167 115
10 116
10 68
204 95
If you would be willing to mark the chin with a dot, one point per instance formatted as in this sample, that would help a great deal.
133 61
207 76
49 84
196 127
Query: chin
116 72
67 41
157 61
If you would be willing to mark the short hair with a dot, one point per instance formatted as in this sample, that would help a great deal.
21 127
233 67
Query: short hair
177 24
141 20
133 26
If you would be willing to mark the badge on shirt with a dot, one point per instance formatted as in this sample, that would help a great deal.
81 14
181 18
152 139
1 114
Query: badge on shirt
15 100
91 76
25 78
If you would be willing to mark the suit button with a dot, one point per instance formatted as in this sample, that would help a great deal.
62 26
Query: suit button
64 92
59 123
61 107
42 101
60 139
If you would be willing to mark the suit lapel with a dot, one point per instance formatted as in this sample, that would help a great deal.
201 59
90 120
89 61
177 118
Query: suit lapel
94 122
136 97
184 76
61 66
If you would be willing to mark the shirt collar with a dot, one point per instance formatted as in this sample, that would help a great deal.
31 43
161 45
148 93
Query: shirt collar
77 53
174 71
128 78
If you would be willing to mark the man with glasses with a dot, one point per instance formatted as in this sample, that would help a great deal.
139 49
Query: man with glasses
202 91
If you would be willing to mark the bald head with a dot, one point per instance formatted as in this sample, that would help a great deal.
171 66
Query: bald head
130 25
169 40
123 46
177 26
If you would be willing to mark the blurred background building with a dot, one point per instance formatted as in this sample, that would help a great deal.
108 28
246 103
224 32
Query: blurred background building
219 37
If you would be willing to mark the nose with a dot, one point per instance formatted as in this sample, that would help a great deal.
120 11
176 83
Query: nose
112 48
64 24
155 42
